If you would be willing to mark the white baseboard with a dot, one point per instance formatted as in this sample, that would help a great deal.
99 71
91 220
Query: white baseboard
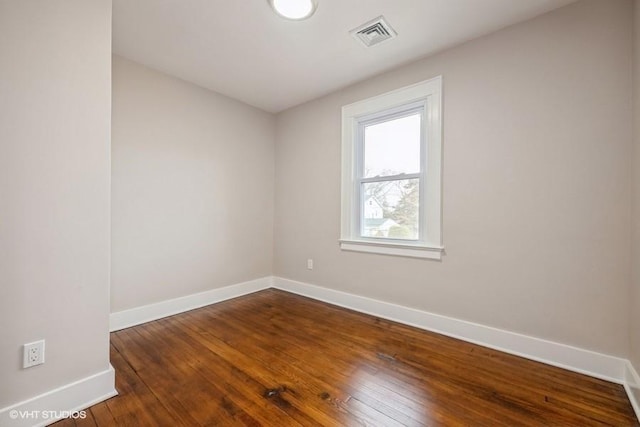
575 359
96 388
632 386
51 406
598 365
136 316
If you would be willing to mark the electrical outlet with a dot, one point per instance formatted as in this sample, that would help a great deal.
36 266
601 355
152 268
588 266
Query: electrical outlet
309 264
33 354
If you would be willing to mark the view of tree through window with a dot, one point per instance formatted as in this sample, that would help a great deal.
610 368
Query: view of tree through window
391 185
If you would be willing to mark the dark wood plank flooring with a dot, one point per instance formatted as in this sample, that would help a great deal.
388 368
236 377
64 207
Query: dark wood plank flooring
277 359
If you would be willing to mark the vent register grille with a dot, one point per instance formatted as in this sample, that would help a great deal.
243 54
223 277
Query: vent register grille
374 32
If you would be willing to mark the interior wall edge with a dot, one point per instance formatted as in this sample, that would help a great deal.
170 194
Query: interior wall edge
70 398
632 386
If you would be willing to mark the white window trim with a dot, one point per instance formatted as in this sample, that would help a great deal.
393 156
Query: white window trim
430 245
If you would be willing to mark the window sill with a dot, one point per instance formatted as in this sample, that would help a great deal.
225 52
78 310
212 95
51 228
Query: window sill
395 249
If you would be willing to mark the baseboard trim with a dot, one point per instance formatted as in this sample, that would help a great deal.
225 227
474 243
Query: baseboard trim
136 316
598 365
632 387
96 388
69 398
575 359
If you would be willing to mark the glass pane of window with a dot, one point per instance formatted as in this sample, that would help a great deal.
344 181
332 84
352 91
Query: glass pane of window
392 147
390 209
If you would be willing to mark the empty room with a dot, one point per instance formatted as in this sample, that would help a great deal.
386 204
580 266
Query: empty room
319 213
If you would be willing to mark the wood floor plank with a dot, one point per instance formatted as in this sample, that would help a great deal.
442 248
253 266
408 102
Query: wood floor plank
269 384
328 399
502 392
345 351
140 406
101 413
244 390
180 384
276 359
87 421
162 379
290 366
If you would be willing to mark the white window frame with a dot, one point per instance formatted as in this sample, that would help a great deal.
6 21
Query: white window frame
425 97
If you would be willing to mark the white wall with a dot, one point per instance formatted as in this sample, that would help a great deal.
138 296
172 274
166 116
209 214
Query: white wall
192 188
55 92
635 284
536 183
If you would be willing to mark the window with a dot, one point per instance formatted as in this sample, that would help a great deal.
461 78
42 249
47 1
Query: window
391 172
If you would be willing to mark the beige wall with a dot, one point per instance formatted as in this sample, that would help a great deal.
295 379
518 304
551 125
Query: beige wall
55 91
635 284
536 183
192 188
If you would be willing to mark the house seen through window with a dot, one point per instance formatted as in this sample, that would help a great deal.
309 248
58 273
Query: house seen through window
391 178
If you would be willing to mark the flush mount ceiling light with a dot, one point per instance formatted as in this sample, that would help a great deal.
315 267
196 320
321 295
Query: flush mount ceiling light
294 9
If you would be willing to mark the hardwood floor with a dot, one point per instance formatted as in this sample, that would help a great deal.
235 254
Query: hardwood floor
277 359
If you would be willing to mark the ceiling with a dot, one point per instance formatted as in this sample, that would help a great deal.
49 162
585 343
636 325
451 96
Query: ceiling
242 49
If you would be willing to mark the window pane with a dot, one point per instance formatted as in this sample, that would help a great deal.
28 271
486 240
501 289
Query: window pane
392 147
390 209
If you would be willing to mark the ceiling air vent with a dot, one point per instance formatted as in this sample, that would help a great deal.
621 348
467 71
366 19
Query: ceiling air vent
374 32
